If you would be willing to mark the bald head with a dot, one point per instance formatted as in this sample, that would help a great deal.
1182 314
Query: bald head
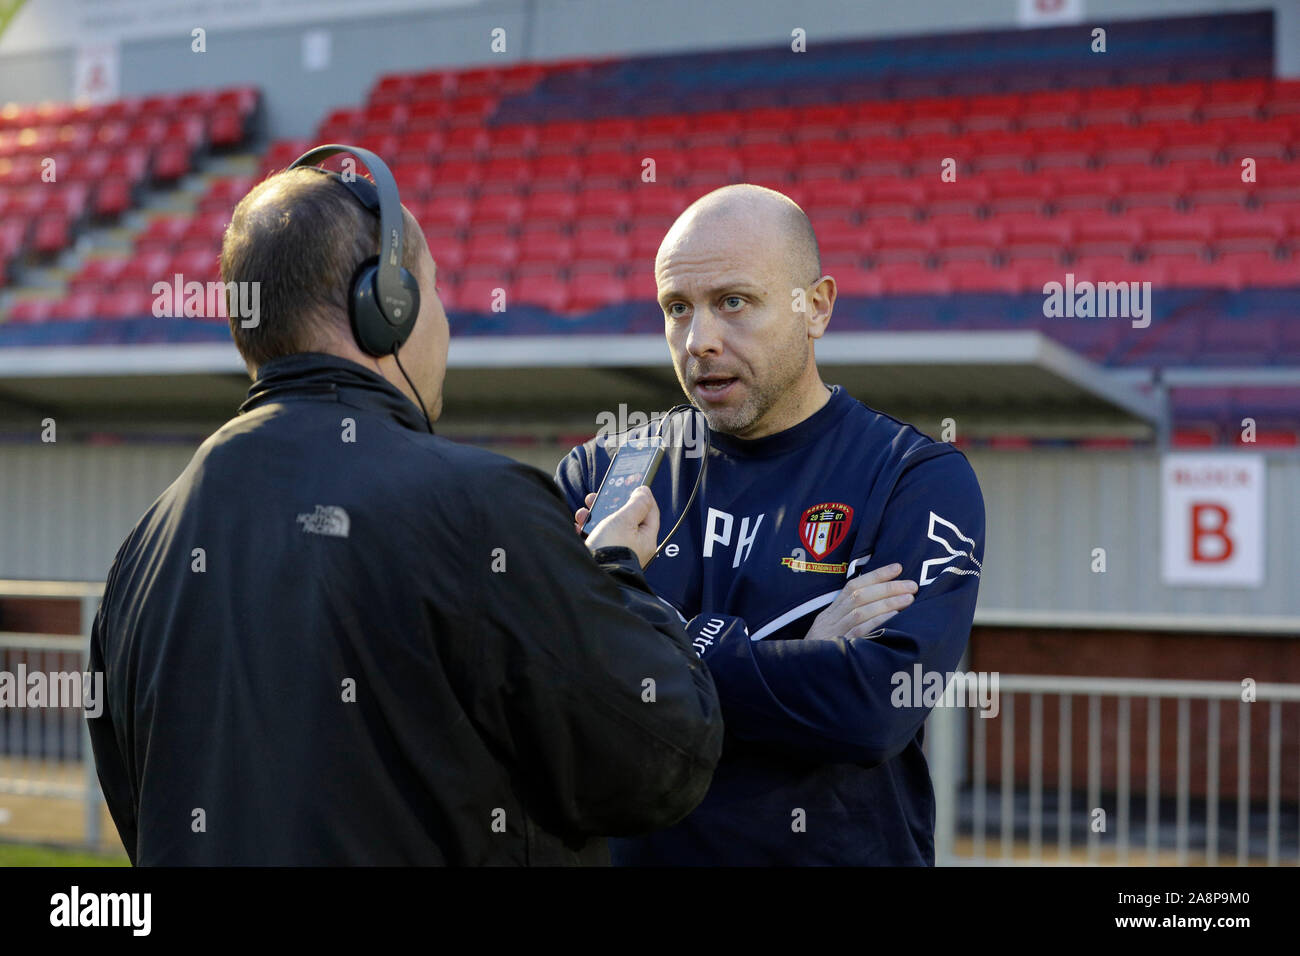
747 213
739 281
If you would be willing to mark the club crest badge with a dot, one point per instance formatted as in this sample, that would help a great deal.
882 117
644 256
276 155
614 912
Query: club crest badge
822 527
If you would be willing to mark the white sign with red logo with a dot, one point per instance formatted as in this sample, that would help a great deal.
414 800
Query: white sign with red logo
1213 520
95 73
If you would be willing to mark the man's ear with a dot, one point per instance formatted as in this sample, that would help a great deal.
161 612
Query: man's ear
821 302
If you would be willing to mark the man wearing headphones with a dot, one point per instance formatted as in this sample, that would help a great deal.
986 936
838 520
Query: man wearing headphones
340 639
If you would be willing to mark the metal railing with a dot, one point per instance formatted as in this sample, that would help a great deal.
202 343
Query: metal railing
957 747
47 771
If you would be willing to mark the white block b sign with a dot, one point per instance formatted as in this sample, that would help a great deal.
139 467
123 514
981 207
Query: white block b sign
1213 520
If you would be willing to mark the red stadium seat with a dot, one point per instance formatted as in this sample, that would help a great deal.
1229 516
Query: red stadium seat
771 126
1170 102
895 197
514 140
1260 139
611 134
145 268
963 197
1049 109
395 87
51 234
604 206
1214 275
859 282
491 249
1283 98
907 243
98 274
545 291
838 235
76 306
545 247
1176 233
550 206
163 233
196 265
466 143
1127 145
1094 190
1109 105
966 239
31 310
478 295
999 152
592 293
562 137
1098 269
1053 149
1272 272
1236 99
128 304
426 115
1192 141
1254 231
1106 235
1010 192
904 279
602 245
392 115
980 277
557 169
502 208
459 175
876 119
713 128
993 112
884 159
1156 189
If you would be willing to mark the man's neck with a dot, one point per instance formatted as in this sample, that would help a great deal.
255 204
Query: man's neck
813 400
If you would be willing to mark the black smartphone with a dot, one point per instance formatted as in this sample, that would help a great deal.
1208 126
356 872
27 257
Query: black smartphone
634 465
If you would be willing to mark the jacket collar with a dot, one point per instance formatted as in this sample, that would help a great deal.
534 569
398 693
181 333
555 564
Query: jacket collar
315 375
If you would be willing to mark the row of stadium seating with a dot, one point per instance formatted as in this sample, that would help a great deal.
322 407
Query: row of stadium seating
82 162
1138 111
235 103
559 152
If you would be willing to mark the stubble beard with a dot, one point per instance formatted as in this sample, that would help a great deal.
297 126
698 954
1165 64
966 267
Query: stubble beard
760 398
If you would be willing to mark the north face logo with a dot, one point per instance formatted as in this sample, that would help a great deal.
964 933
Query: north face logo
330 520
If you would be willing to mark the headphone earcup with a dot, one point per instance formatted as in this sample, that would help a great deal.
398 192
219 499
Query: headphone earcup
372 330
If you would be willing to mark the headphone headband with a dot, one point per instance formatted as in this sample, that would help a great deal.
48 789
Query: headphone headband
392 297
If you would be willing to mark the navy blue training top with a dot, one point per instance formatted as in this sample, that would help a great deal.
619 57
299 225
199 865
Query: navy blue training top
822 762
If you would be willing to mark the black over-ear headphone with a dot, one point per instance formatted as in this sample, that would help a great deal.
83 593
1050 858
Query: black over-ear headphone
384 298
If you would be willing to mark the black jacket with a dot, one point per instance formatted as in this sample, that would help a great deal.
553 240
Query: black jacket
339 639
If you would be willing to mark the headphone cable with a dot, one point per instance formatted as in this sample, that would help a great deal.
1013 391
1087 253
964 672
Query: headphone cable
424 411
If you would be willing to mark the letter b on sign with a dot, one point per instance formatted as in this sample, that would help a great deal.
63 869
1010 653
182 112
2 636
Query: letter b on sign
1213 522
1210 539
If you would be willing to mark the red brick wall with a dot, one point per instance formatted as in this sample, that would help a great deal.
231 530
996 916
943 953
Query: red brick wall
40 615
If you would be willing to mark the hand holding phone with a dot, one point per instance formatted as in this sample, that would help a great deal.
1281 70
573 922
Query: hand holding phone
635 526
619 514
634 464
